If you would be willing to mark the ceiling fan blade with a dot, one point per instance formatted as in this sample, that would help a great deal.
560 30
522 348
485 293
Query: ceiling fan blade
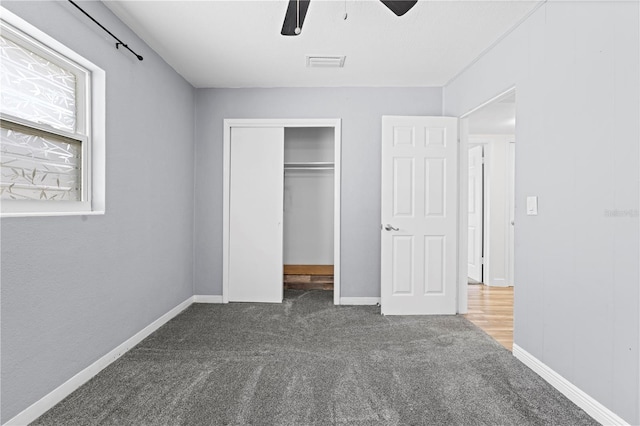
294 18
399 7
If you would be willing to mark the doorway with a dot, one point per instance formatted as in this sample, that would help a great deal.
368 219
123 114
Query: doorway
295 159
487 277
308 208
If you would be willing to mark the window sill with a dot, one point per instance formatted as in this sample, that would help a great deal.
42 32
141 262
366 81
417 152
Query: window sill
46 214
37 208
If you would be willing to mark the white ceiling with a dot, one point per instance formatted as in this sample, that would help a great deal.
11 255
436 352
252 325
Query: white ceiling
237 43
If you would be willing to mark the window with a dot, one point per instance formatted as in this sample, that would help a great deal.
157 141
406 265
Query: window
51 125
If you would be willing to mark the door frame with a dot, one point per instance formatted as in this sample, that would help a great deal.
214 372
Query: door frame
336 124
511 195
483 214
463 197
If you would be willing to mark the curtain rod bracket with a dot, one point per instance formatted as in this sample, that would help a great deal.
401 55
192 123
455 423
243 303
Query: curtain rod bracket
119 42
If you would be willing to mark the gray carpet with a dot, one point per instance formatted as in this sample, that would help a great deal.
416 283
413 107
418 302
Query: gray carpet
308 362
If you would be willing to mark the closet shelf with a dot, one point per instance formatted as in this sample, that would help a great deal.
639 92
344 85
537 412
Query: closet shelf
309 165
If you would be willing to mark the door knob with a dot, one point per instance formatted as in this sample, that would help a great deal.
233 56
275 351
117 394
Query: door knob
390 228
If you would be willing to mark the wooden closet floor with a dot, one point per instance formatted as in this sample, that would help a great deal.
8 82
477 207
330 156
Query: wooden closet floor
308 282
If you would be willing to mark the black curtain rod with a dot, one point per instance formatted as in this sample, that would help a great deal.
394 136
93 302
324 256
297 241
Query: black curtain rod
119 42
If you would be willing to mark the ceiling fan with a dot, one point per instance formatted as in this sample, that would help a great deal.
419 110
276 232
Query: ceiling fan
297 10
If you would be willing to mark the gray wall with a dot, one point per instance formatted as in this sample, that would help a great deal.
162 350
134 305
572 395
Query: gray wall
361 110
73 288
575 66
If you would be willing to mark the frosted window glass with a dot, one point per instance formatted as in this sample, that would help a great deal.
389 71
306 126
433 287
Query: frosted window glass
35 89
35 167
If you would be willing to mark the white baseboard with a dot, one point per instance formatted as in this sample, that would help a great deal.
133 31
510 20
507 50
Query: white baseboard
41 406
498 282
200 298
359 300
592 407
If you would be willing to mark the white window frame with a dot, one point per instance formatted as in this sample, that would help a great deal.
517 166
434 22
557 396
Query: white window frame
90 122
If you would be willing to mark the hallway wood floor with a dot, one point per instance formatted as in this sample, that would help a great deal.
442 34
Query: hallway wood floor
491 309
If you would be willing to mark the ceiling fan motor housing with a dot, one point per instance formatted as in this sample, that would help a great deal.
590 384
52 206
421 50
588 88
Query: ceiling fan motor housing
297 11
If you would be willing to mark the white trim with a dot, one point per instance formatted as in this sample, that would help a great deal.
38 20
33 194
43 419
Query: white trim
226 202
487 212
359 300
94 123
284 122
337 182
503 94
638 264
497 282
511 211
53 213
336 123
463 216
592 407
45 403
204 298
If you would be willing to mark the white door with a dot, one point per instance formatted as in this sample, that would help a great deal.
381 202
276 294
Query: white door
419 215
255 214
474 253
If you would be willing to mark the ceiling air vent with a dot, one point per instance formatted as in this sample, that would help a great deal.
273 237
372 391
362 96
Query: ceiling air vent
317 61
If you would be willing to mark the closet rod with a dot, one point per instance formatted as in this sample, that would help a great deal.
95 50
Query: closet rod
309 164
308 168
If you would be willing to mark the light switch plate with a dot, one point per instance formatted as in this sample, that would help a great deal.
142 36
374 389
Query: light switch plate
532 206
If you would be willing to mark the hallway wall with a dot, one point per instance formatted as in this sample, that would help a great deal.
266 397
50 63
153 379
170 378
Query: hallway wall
575 66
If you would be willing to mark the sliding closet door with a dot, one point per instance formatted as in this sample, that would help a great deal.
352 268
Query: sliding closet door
255 214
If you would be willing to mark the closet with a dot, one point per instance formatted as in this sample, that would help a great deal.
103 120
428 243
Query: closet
281 205
308 207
